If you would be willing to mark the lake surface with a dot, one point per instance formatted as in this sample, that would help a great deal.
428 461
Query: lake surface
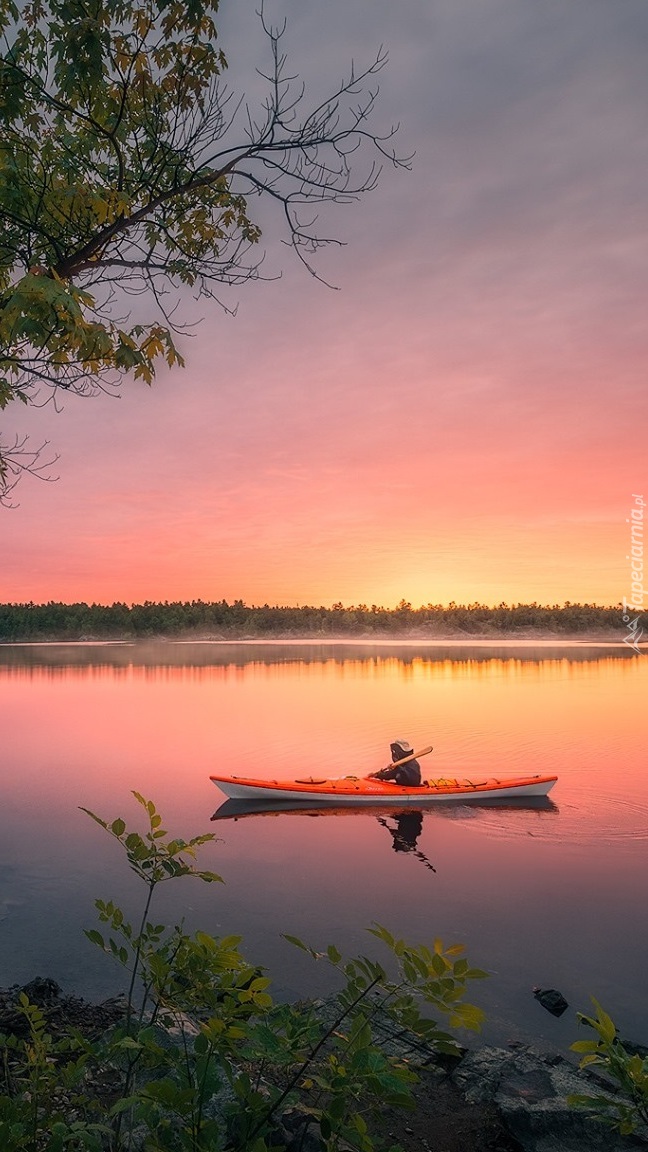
554 895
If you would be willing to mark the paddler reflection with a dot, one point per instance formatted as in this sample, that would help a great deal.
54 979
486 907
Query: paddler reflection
405 829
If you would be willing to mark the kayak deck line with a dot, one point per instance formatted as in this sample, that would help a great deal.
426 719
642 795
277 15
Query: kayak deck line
442 782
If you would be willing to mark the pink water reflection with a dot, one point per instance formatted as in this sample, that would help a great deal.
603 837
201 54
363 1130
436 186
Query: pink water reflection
540 895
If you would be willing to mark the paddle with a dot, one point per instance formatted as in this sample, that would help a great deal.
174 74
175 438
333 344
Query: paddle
405 760
373 775
412 756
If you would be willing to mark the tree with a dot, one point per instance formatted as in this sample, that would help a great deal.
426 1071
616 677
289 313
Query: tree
128 168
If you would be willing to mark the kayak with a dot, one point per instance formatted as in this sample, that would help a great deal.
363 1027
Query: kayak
360 791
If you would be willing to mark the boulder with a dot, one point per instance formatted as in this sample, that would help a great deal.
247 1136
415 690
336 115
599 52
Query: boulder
529 1088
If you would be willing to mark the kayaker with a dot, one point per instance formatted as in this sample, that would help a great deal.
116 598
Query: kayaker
408 774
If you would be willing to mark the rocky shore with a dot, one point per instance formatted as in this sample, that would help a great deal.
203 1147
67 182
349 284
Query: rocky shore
490 1099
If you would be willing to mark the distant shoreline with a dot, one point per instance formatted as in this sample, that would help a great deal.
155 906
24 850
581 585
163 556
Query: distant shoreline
220 622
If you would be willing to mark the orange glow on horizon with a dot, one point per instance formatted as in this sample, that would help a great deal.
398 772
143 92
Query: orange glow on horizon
465 563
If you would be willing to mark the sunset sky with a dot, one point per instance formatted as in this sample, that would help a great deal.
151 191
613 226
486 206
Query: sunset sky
465 417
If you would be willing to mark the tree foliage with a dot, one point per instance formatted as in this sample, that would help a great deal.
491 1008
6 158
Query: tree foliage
55 621
127 167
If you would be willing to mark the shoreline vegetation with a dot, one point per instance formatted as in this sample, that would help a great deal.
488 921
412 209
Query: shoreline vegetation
220 620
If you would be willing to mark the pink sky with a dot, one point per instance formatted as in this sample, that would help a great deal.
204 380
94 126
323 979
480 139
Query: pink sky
465 418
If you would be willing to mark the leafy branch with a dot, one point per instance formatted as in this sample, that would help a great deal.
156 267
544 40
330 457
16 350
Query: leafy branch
129 168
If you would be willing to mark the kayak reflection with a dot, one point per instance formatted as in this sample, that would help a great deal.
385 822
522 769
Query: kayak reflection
405 834
403 823
405 826
238 809
409 826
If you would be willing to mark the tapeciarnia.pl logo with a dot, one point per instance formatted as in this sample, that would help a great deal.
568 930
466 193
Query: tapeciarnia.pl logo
636 602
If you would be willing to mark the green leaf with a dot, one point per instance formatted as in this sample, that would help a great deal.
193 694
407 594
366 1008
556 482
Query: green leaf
468 1016
259 1145
294 940
382 934
603 1023
439 964
92 816
584 1046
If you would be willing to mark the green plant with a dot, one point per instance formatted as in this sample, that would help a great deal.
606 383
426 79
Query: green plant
339 1072
44 1104
203 1060
629 1071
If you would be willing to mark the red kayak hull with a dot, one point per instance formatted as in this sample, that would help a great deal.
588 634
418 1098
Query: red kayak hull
357 791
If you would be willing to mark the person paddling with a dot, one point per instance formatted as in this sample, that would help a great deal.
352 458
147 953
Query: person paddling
408 774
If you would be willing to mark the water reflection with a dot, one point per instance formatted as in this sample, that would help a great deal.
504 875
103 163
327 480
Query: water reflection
404 824
121 657
405 829
539 892
238 809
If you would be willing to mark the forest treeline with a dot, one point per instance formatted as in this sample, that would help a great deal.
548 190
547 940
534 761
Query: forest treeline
222 620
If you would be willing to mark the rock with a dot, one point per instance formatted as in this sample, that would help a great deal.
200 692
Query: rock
61 1012
526 1088
42 991
298 1133
530 1093
552 1000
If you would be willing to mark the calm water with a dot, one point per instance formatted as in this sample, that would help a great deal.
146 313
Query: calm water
554 896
